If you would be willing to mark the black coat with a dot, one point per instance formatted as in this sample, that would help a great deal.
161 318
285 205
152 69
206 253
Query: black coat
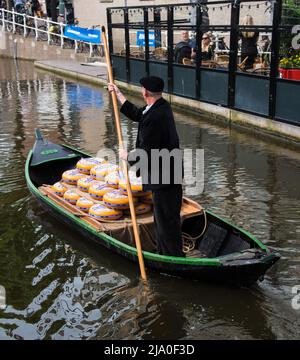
156 130
182 50
249 45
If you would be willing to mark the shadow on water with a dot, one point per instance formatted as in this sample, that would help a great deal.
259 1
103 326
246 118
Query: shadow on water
60 286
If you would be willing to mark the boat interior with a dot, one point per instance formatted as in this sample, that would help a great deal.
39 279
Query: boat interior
204 235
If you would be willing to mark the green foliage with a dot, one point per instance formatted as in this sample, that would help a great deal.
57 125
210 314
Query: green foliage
292 62
290 12
290 16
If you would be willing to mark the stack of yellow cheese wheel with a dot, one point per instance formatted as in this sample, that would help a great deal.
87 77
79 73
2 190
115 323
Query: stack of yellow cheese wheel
147 199
135 184
100 171
72 176
97 191
101 212
117 199
84 183
98 182
71 196
112 179
59 189
84 204
84 165
140 209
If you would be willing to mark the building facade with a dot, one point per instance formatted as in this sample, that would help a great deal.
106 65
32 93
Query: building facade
93 12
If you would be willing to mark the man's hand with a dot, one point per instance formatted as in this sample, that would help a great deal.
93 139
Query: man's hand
123 154
113 88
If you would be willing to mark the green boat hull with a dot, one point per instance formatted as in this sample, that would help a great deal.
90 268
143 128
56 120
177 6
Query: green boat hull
234 269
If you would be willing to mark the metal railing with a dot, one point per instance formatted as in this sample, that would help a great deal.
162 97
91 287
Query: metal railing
43 29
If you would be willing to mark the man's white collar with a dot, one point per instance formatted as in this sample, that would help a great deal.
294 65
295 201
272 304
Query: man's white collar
147 109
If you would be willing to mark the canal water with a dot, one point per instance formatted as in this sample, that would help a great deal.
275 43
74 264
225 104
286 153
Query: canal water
59 286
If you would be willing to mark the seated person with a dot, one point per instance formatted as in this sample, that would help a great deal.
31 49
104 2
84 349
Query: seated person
183 49
207 48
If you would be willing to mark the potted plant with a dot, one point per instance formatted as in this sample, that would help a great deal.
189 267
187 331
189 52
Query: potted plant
290 67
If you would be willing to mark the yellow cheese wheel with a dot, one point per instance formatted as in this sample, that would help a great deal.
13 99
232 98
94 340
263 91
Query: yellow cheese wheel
72 176
135 193
100 171
98 182
147 199
101 212
140 209
117 199
112 179
71 196
59 188
84 165
84 183
84 204
136 184
97 191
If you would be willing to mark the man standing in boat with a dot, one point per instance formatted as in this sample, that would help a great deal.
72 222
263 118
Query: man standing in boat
157 134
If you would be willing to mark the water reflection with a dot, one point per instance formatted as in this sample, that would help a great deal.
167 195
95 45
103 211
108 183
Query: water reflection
61 287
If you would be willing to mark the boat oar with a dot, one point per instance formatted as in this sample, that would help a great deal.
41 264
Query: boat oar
124 163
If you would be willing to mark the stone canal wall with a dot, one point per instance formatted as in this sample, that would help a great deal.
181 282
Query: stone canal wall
19 47
258 124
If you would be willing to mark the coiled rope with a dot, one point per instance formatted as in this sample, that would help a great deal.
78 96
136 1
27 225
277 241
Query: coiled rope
189 242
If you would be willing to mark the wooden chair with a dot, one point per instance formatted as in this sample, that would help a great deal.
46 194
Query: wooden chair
122 52
261 68
137 53
210 64
222 58
242 65
187 61
265 71
222 61
159 53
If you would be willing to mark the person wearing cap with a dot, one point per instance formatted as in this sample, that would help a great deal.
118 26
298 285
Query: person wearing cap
157 130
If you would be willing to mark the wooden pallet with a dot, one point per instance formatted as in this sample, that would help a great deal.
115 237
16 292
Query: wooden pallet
47 191
189 209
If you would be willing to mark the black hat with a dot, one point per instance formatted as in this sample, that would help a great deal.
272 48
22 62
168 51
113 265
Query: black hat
153 83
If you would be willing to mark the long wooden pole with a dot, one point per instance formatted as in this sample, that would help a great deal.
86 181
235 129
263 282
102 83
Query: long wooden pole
124 163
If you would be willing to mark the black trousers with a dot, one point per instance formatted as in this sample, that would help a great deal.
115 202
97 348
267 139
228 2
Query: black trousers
166 209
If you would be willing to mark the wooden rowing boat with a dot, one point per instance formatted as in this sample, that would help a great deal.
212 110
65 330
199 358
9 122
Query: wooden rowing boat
224 253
